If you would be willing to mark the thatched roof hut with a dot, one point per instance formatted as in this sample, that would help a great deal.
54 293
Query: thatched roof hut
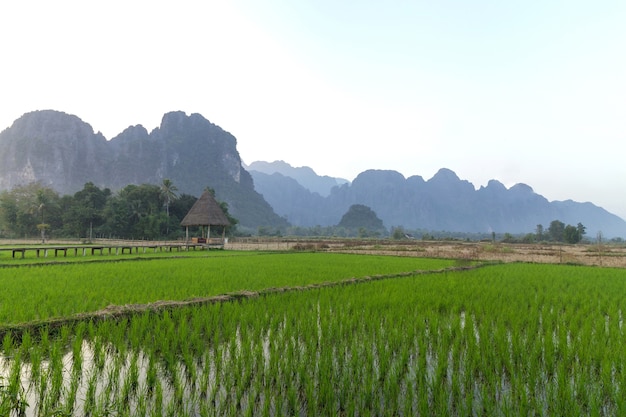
205 212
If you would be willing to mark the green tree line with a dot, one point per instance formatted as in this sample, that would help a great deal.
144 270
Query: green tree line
144 211
560 232
557 232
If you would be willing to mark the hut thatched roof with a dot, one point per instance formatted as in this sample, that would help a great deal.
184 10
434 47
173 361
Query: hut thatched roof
205 212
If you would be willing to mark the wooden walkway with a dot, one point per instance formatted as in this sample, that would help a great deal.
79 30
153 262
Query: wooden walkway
83 250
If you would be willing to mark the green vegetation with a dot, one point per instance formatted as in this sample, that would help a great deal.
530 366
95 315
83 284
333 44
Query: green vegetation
510 339
559 232
136 211
58 290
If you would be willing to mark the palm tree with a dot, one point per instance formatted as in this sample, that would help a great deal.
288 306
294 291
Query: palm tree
168 192
41 200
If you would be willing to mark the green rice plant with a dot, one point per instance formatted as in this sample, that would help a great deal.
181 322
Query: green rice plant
86 287
55 375
7 344
12 393
89 403
506 339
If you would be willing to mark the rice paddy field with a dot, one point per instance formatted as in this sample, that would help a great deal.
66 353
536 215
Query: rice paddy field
309 334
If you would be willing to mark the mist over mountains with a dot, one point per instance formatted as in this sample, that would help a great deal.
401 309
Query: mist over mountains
63 152
443 203
305 176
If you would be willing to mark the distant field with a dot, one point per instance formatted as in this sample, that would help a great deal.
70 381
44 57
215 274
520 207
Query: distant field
611 254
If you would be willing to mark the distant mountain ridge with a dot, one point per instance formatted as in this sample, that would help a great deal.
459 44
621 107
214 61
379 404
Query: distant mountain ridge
63 152
443 203
305 176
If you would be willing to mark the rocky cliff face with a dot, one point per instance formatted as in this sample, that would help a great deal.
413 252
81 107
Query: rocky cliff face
56 149
63 152
189 150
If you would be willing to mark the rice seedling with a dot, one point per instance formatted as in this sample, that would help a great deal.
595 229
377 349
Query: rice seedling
60 290
506 339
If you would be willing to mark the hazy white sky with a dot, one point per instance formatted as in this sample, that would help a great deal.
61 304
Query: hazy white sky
519 91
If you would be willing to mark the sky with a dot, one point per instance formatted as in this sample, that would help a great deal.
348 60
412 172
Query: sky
527 92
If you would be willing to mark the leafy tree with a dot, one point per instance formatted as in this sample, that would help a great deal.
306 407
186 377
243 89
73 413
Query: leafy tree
570 234
398 233
85 210
539 232
117 218
233 221
556 230
508 238
136 212
574 234
8 212
178 210
181 206
559 232
29 210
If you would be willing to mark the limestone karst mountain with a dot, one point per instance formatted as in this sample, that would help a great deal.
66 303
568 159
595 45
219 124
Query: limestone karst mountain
61 151
443 203
53 148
